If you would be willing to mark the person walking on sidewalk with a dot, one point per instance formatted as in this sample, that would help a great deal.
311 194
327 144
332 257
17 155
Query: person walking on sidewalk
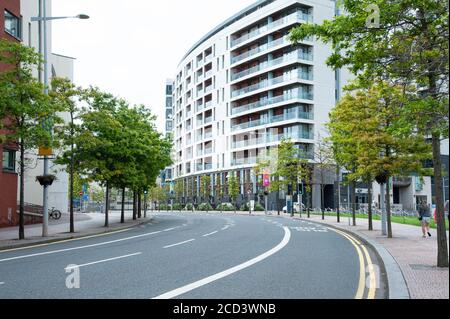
425 218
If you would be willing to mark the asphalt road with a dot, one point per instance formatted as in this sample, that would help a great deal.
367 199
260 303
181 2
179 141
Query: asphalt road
196 256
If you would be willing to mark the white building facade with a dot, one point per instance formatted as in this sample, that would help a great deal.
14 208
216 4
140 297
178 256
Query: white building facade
244 87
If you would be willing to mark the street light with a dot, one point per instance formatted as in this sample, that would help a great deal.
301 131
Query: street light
43 18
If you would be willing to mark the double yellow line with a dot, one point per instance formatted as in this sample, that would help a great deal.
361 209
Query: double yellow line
360 248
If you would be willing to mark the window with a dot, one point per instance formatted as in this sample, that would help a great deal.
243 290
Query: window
9 160
12 24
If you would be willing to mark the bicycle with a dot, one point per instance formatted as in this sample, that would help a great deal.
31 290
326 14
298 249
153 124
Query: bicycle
54 213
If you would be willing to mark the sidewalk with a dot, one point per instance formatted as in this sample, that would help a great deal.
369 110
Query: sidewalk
85 225
416 256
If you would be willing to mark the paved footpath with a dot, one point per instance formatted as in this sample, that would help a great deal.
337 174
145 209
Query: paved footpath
416 256
85 225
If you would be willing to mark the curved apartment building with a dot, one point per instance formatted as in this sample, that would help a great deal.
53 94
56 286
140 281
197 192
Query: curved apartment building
244 86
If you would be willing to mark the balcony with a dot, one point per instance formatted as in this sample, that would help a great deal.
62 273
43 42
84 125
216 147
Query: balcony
295 17
208 135
274 119
208 151
243 161
208 58
293 56
259 49
269 138
301 74
208 120
208 74
270 101
208 104
208 89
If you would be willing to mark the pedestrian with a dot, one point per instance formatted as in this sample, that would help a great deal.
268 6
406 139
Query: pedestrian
425 217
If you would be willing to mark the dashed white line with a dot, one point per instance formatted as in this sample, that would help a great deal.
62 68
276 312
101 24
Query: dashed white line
102 261
2 282
80 247
225 227
182 290
178 244
214 232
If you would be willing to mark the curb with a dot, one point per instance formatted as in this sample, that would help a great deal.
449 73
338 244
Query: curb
397 286
70 237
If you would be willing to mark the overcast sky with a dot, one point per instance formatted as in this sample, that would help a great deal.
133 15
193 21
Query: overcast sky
130 48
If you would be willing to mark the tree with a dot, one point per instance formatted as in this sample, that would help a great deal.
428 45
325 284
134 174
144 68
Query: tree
233 188
408 46
290 166
179 190
64 93
27 113
205 187
379 144
324 162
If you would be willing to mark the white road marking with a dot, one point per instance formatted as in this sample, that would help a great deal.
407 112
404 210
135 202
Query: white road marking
80 247
169 229
2 282
182 290
214 232
225 228
178 244
103 261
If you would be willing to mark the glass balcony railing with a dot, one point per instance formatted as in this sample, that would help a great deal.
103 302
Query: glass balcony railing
208 58
199 152
208 89
208 151
259 49
272 139
204 167
207 120
243 161
273 119
208 104
295 55
199 92
298 16
301 74
208 74
208 135
270 101
199 107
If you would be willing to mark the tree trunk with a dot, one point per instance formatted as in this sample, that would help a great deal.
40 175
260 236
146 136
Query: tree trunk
122 211
134 206
322 204
369 193
139 204
388 208
22 191
107 206
354 202
442 257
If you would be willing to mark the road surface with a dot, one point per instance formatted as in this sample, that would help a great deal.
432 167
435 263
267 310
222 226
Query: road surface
197 256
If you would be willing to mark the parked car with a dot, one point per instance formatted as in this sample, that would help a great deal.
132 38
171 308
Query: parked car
296 208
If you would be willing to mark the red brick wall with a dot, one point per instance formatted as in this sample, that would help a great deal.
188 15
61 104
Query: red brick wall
8 181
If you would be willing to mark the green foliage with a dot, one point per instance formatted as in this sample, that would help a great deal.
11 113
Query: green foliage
290 166
22 99
205 207
226 207
205 186
246 207
190 207
369 133
233 186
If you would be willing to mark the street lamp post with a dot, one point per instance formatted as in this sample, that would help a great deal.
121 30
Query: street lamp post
43 39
